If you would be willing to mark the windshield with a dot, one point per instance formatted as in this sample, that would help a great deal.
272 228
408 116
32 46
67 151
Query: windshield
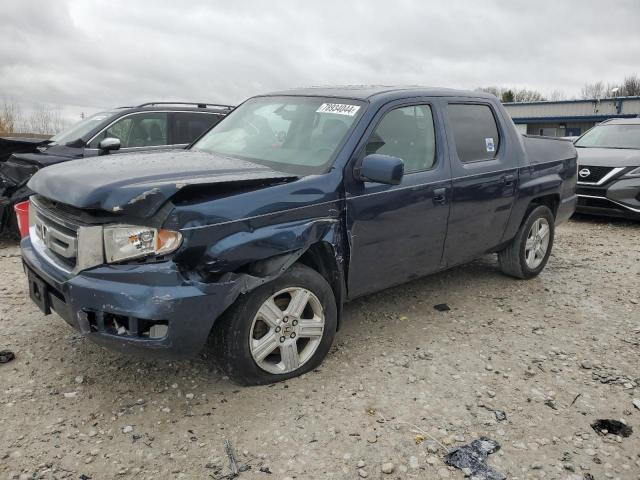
298 135
611 136
80 129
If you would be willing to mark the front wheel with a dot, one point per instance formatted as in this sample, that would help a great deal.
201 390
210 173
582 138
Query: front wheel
280 330
528 253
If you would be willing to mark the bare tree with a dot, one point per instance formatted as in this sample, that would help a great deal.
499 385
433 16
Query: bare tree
593 90
495 91
10 117
557 95
513 94
45 120
630 86
526 95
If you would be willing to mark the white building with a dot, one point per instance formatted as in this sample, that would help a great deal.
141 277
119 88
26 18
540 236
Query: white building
567 118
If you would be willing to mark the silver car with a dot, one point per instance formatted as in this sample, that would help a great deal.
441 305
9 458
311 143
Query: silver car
609 169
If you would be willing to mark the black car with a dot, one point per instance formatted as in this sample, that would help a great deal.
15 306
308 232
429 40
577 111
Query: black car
150 126
609 169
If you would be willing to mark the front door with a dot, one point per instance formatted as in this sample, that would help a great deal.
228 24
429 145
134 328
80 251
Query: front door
136 131
397 232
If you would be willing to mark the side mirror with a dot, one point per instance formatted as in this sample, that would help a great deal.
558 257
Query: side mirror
381 169
107 145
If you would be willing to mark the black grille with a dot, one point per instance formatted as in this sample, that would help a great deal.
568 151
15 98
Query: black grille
76 215
592 191
600 203
595 173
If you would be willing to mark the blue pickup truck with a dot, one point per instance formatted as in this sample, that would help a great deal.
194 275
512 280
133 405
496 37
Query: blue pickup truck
252 239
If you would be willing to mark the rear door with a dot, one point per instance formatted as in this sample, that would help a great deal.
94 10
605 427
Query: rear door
484 180
186 127
397 232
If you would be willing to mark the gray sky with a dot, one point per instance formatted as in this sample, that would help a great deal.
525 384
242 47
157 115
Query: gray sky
88 55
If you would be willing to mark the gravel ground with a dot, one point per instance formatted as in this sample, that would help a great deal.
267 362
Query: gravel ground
403 383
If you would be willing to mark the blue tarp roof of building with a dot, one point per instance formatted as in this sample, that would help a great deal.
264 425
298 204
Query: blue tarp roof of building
573 118
588 100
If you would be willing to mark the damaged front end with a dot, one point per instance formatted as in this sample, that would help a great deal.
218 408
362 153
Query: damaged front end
232 237
14 175
11 145
145 306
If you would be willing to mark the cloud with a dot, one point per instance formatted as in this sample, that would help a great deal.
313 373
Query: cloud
91 55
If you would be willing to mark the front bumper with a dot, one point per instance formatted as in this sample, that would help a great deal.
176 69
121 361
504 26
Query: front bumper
619 198
135 297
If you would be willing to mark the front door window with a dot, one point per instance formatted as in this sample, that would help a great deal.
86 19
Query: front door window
140 130
407 133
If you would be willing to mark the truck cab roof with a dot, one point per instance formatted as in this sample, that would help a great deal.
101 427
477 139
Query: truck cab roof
380 92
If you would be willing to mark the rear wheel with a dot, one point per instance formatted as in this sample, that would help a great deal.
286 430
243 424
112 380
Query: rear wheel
280 330
528 253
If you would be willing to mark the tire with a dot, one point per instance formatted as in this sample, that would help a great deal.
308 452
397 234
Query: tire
238 334
516 260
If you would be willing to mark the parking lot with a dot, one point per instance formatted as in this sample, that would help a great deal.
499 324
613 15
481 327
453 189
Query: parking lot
403 383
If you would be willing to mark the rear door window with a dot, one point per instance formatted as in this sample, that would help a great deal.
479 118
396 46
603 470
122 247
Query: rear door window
475 132
187 126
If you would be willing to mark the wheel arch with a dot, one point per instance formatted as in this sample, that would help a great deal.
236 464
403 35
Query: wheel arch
550 200
268 253
323 258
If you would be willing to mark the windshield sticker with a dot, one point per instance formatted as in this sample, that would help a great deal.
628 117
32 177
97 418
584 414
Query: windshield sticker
490 146
339 109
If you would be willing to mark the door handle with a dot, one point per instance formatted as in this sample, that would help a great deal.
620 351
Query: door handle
509 180
440 196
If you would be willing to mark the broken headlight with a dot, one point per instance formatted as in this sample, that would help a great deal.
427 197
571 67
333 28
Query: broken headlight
123 242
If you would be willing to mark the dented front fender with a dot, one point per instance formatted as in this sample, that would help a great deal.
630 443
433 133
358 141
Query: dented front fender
245 247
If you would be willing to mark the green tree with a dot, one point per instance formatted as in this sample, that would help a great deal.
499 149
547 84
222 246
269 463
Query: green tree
507 96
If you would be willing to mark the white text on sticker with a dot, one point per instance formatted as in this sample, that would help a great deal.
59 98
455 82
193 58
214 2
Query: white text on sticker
338 109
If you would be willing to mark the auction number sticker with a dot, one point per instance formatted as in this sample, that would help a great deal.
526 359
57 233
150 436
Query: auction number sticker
339 109
490 145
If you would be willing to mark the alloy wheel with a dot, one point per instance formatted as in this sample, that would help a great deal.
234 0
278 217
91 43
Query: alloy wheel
537 243
287 330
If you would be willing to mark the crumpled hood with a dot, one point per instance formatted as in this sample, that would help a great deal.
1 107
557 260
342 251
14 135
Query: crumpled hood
608 157
19 167
46 155
9 145
140 183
